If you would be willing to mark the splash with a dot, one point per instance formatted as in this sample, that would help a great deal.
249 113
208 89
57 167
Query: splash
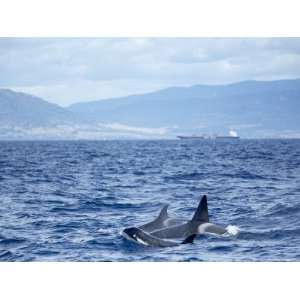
233 230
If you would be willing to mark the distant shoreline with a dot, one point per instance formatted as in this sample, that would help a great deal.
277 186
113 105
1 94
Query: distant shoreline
150 140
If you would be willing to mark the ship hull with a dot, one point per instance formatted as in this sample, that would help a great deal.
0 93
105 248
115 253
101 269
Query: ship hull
190 137
227 138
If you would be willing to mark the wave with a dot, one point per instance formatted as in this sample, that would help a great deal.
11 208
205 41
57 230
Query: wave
46 252
282 210
11 241
275 234
222 248
75 192
5 254
187 176
243 175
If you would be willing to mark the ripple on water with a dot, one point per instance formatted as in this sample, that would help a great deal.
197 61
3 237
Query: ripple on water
68 201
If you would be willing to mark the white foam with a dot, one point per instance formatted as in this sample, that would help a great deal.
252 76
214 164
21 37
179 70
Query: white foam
233 230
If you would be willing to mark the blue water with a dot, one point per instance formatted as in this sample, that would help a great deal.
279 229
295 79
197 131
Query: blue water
68 201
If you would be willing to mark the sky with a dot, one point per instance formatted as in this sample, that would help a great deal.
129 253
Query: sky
69 70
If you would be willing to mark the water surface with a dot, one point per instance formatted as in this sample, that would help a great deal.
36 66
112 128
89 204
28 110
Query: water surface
68 201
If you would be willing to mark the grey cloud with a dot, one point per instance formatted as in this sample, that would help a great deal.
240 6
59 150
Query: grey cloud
31 63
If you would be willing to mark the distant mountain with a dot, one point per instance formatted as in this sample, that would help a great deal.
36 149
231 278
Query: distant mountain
23 116
254 108
19 109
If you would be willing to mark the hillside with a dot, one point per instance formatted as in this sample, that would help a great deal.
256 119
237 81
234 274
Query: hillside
254 108
20 109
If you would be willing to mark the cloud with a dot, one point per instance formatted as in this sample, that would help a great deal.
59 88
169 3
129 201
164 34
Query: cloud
72 66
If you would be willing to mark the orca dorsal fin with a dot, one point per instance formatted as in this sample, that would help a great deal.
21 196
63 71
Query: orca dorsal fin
201 214
189 239
163 215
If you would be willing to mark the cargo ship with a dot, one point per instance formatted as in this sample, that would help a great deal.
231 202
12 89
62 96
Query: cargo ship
190 137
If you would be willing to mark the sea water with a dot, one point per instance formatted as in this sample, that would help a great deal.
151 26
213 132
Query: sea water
69 200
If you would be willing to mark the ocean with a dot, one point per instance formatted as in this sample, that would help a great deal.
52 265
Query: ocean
69 200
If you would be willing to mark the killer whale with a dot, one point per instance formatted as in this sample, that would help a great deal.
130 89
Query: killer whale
161 230
187 228
199 224
141 237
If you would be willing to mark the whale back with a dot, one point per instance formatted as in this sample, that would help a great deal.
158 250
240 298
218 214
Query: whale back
158 222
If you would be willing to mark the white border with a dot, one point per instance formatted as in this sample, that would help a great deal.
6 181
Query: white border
135 18
149 281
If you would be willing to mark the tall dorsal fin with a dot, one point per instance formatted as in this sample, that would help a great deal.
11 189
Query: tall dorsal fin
163 213
201 214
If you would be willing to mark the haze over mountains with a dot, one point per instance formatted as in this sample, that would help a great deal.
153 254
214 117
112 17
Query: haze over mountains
252 108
